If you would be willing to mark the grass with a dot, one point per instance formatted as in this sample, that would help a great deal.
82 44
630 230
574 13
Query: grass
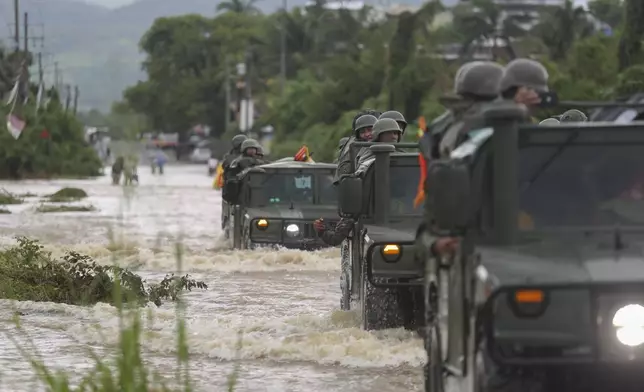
45 208
67 195
9 198
77 279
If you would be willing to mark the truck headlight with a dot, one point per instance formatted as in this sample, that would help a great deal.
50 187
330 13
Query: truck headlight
292 230
262 224
629 323
391 252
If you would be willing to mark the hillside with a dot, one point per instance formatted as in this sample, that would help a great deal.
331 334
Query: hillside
96 47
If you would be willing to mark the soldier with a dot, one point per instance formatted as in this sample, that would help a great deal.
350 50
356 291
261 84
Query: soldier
385 130
573 115
396 116
523 81
474 86
341 144
234 151
249 156
362 128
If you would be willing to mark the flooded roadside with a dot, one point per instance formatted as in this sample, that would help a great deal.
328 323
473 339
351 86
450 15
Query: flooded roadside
284 303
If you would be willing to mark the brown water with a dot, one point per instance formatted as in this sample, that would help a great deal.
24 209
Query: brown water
285 303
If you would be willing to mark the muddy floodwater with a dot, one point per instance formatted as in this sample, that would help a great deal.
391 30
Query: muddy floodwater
284 303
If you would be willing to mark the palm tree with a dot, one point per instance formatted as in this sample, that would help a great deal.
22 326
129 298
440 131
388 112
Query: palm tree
483 21
239 6
561 26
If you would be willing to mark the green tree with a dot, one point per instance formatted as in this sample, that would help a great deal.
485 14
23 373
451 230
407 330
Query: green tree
239 6
630 48
561 26
608 11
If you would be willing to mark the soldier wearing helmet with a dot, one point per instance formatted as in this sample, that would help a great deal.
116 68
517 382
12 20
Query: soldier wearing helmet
475 85
234 151
362 129
523 81
573 115
396 116
386 130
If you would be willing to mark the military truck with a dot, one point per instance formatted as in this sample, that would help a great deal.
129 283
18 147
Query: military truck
547 290
381 277
277 203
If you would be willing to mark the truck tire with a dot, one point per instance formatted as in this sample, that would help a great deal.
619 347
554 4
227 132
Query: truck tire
433 369
345 277
378 306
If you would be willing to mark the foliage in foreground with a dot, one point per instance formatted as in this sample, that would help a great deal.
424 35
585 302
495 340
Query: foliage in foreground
129 370
9 198
44 208
29 273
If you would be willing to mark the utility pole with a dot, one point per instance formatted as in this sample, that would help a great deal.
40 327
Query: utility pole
283 48
26 33
56 76
227 92
69 96
75 99
40 71
16 17
248 90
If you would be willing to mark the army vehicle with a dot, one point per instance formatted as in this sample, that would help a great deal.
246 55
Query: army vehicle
547 290
380 275
277 203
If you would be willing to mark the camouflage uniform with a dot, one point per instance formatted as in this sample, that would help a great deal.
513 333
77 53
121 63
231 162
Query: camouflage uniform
475 85
344 157
334 236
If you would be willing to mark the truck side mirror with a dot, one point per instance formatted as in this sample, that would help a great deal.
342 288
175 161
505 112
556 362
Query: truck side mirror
350 195
448 196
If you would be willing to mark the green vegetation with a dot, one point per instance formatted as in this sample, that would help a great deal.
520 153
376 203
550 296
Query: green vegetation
340 61
29 273
45 208
66 195
52 143
8 198
4 211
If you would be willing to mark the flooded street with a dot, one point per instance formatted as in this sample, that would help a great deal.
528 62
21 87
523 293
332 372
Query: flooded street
285 304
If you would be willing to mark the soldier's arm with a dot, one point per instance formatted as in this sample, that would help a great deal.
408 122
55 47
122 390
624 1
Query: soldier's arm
335 236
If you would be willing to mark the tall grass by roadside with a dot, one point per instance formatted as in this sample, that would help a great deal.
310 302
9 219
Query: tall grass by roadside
27 272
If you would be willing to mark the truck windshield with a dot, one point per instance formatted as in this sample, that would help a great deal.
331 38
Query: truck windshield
594 180
328 192
403 188
285 188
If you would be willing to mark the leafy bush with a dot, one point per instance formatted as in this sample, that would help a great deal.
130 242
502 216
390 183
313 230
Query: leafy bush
28 273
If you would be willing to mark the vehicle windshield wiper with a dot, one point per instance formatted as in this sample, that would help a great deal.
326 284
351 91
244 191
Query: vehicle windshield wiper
549 161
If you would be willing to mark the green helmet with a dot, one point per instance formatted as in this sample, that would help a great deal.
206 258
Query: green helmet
394 115
480 79
524 72
238 140
385 125
364 121
549 121
458 78
250 143
573 115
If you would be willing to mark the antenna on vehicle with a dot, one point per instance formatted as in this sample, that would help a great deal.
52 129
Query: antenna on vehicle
618 243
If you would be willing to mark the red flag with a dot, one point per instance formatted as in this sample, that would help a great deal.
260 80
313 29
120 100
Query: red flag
302 155
44 134
420 194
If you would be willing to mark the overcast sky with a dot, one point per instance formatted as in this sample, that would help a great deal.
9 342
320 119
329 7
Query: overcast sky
118 3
